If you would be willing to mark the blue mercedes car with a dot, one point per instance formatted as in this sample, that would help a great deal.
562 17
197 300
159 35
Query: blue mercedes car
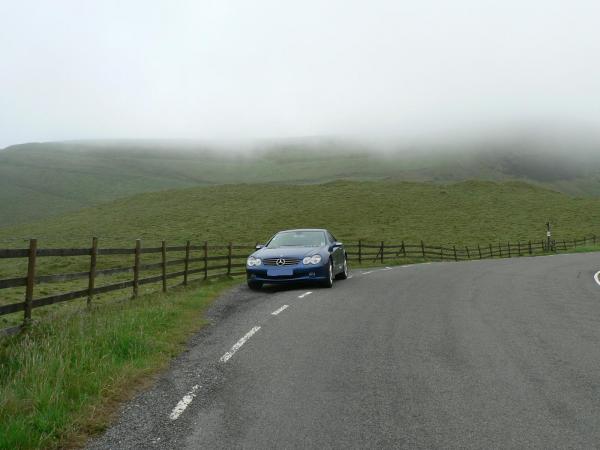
309 255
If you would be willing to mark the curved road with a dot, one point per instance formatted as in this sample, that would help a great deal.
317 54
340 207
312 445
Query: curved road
485 354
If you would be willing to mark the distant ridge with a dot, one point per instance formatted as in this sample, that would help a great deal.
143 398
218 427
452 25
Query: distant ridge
39 180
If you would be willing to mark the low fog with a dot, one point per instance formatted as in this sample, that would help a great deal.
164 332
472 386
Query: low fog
384 74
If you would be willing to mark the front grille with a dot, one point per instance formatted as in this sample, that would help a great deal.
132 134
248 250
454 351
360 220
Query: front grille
286 261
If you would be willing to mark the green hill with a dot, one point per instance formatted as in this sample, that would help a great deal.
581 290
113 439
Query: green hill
49 179
466 212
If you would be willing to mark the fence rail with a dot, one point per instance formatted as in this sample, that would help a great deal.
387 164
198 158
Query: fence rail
364 252
207 260
217 260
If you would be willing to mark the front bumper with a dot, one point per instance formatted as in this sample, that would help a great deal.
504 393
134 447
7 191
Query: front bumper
275 274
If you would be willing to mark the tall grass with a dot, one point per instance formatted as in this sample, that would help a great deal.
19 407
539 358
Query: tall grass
59 381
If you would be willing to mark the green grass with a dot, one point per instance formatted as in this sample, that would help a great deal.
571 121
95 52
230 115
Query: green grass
62 380
459 214
462 213
49 179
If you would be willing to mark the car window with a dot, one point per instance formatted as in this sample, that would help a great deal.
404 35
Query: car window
298 239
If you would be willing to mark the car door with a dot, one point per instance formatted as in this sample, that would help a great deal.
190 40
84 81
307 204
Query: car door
337 256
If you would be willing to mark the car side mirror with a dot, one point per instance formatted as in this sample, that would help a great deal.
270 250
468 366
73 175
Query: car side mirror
259 246
335 245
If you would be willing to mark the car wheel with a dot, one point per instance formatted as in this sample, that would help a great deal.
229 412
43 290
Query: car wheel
329 281
255 285
344 273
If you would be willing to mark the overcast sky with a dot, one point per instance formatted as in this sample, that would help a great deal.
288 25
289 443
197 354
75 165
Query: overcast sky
274 68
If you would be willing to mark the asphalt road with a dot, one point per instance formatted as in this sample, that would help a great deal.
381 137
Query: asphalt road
489 354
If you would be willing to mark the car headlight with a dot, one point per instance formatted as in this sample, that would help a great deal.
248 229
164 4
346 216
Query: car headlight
315 259
252 261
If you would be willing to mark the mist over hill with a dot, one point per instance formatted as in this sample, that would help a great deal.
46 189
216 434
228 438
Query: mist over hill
38 180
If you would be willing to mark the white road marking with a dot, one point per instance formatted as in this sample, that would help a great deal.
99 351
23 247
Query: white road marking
387 268
238 344
367 273
350 276
596 277
277 311
183 403
305 294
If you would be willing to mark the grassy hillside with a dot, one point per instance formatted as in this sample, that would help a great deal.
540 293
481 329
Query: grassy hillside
41 180
461 213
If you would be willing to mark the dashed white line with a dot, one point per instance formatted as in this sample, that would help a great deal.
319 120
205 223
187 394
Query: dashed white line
387 268
305 294
183 403
596 277
367 273
238 344
277 311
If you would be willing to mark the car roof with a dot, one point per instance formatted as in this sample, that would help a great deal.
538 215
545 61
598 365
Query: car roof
305 229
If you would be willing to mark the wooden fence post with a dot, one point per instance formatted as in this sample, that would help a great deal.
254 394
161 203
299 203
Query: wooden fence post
530 249
186 264
30 281
468 253
519 247
442 252
423 248
455 257
565 244
164 266
403 249
92 276
491 251
500 249
509 253
381 251
359 251
136 268
479 250
229 252
205 260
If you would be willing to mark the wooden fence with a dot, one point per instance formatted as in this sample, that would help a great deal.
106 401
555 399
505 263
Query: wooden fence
207 261
201 262
365 252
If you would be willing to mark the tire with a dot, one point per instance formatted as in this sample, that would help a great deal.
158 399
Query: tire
344 273
329 282
255 285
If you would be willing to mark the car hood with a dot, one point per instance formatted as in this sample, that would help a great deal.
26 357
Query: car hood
288 252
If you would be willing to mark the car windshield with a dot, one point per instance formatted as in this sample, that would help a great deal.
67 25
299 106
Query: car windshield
298 239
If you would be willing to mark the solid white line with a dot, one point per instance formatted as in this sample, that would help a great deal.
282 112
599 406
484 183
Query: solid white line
238 344
305 294
277 311
596 277
183 403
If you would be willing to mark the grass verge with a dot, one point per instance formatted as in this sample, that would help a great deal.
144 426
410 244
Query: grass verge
63 380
